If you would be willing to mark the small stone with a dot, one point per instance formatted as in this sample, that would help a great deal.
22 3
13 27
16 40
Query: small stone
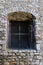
6 63
21 63
36 53
0 47
39 57
12 59
22 54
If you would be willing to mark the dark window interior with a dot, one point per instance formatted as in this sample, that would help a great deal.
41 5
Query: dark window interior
21 35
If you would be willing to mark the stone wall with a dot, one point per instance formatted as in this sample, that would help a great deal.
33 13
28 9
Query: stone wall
36 8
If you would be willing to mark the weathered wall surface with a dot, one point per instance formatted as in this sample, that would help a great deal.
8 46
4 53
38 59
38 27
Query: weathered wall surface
36 8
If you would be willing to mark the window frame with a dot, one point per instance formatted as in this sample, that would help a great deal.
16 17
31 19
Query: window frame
22 49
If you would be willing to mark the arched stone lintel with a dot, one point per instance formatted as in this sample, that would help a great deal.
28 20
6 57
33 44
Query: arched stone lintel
21 16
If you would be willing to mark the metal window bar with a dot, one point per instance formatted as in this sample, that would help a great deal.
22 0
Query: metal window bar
31 37
20 34
19 31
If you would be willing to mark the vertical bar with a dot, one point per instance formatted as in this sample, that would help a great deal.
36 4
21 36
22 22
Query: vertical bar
31 36
31 33
19 31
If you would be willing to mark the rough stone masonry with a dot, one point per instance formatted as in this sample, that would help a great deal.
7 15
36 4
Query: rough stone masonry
21 57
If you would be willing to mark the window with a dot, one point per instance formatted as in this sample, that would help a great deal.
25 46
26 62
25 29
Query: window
21 35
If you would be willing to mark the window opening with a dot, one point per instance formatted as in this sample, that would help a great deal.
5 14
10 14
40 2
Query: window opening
21 35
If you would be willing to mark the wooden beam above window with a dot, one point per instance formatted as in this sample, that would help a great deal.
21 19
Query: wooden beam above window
20 16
